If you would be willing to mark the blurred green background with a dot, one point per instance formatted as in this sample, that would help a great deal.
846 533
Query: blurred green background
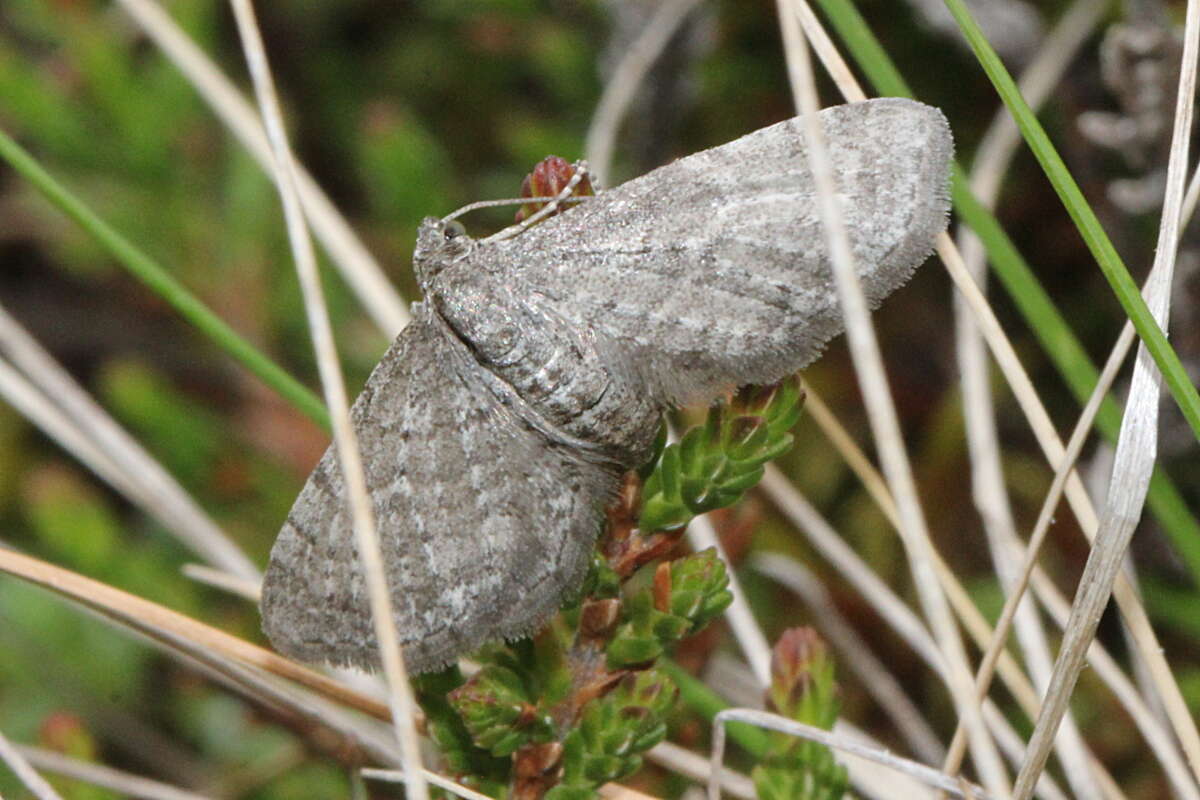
401 110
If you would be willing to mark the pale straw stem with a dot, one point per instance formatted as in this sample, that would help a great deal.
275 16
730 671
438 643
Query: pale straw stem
995 152
1136 447
146 616
699 769
124 783
912 769
38 409
881 412
622 87
396 776
746 631
26 774
360 270
218 579
345 441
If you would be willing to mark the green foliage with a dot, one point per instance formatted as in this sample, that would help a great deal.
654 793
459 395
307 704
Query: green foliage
614 732
548 703
695 592
500 711
803 689
184 433
714 465
450 735
521 701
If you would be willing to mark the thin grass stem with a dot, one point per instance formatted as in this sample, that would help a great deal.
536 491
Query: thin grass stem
881 411
162 283
26 774
345 440
1136 447
125 783
362 272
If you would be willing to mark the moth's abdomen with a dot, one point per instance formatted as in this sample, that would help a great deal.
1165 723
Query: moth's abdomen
571 379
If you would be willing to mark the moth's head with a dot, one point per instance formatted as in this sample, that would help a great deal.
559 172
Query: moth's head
439 244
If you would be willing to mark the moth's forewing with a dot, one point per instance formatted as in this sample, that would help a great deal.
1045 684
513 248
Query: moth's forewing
484 523
712 270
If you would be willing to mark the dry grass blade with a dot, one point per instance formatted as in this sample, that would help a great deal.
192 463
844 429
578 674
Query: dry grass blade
357 737
247 590
881 411
1017 586
1136 447
701 535
456 789
822 536
32 404
1147 720
55 402
832 547
25 773
989 490
627 77
698 768
856 654
127 784
927 775
366 537
899 617
1052 447
361 271
146 616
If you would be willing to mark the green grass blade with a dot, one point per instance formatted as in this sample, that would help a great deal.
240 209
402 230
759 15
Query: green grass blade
1097 240
1018 279
707 703
1072 361
163 284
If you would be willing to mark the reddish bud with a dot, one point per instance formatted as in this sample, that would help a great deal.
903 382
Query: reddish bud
551 176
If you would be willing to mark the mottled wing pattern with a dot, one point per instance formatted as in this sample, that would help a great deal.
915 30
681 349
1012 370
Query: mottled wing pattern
484 523
713 271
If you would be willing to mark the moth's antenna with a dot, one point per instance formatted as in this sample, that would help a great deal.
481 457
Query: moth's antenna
581 172
509 201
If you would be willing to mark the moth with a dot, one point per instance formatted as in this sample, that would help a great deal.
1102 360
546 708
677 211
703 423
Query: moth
535 372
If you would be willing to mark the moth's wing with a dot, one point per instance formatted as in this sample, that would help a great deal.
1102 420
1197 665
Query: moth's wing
713 270
484 523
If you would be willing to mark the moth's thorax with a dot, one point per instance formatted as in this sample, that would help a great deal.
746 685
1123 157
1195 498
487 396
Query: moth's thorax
566 375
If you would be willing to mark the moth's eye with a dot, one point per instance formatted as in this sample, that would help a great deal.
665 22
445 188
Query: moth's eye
453 230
